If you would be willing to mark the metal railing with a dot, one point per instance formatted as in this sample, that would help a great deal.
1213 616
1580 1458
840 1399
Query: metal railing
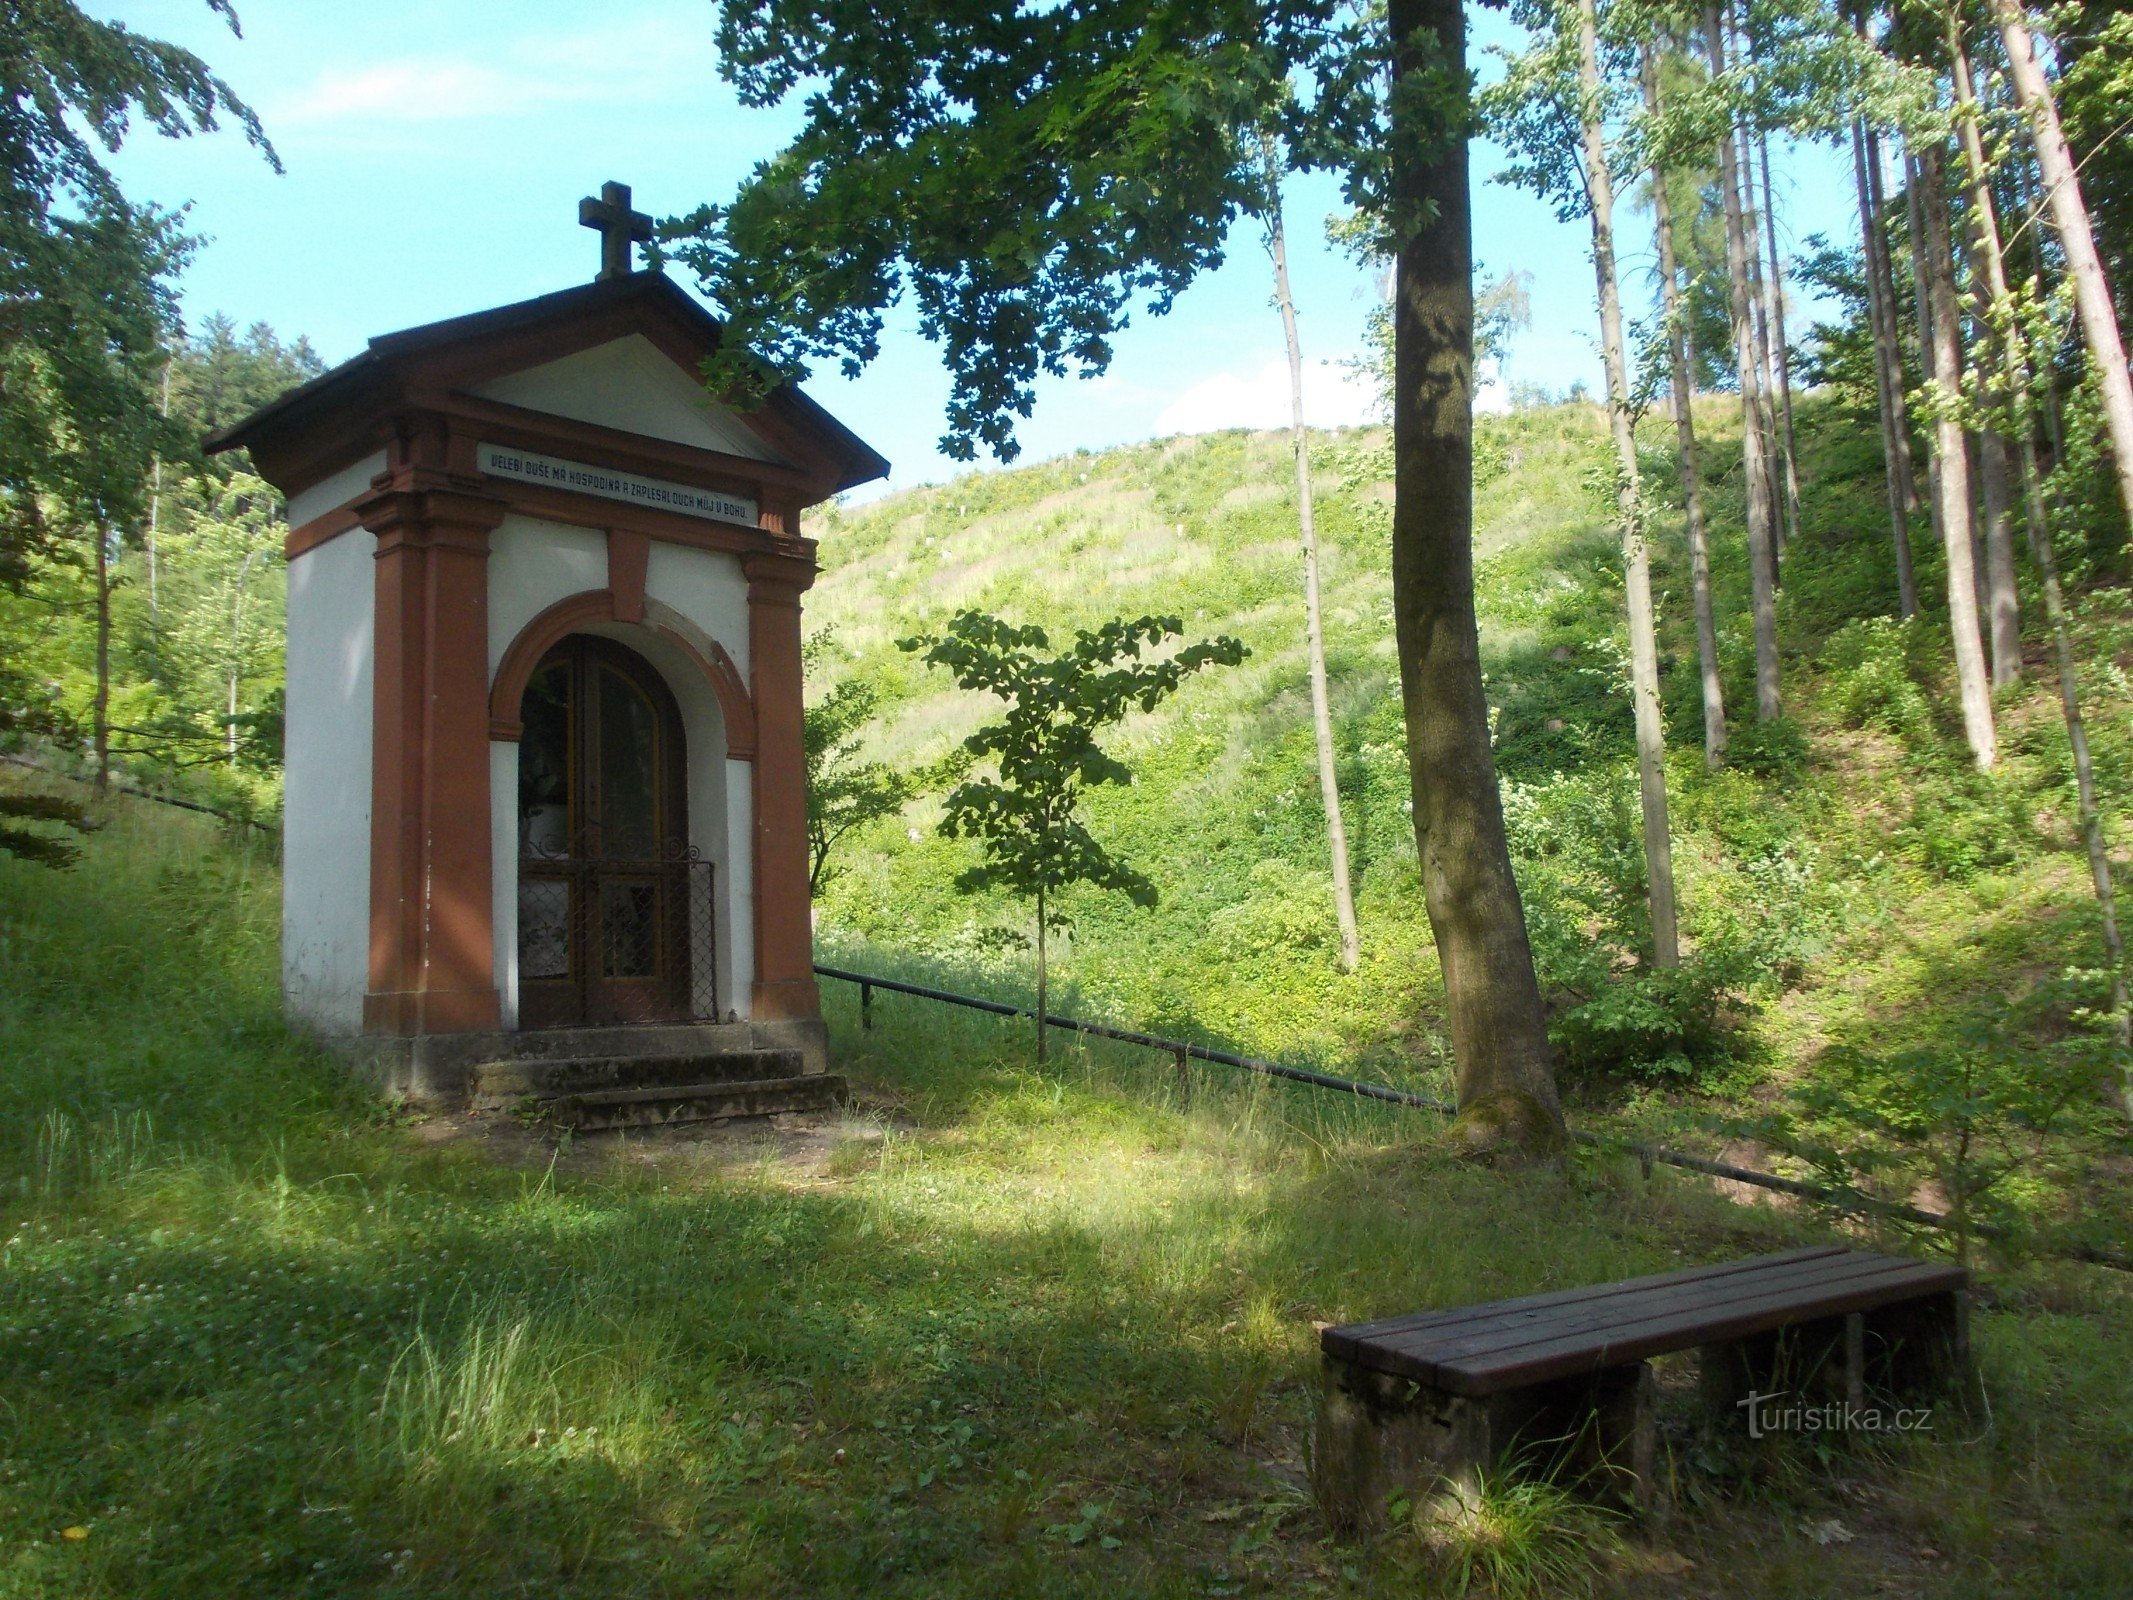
1184 1052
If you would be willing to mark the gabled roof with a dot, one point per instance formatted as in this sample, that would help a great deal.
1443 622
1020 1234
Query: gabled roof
342 413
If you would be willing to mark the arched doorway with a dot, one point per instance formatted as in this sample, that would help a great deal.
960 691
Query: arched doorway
614 909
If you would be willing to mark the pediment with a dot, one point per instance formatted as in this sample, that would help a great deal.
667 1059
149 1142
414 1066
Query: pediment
631 385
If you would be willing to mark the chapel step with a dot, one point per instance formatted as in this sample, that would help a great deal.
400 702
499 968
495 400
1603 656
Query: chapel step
670 1104
497 1085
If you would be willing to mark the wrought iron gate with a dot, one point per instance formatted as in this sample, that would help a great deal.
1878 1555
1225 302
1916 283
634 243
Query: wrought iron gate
607 939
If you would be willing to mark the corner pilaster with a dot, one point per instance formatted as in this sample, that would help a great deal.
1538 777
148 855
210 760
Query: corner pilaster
432 946
785 987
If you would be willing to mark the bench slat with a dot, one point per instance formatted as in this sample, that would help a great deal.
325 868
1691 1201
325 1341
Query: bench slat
1594 1319
1416 1321
1507 1344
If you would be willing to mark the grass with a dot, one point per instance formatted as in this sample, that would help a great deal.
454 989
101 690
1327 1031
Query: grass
1027 1333
1847 883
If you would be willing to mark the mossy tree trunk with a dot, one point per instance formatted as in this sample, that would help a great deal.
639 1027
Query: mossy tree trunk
1498 1028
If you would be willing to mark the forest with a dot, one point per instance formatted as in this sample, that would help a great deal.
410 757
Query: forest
1787 759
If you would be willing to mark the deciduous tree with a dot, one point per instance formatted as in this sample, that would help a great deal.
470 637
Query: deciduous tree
1112 145
1025 814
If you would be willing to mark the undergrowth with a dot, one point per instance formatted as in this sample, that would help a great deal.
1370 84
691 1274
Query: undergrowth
1021 1333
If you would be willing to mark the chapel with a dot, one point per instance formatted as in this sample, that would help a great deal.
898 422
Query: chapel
546 791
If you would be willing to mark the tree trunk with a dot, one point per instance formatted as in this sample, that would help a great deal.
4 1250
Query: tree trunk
1780 356
1314 625
2001 599
1936 265
1498 1028
2070 215
1636 557
1759 321
2018 397
1888 373
1922 306
155 520
1714 703
2003 607
1043 1001
100 708
1754 464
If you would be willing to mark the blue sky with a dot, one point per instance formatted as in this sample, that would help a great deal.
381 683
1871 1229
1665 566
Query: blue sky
436 150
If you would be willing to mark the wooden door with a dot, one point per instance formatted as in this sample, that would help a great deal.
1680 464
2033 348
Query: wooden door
603 829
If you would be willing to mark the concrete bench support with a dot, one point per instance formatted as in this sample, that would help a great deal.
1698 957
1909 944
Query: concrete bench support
1382 1437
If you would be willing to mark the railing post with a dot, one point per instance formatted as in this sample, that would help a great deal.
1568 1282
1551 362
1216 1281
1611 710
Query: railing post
1184 1078
866 1007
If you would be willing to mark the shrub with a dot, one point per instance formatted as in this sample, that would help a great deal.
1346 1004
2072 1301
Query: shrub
1577 845
1871 683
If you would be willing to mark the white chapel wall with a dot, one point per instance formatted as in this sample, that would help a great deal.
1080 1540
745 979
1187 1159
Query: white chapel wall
533 564
326 805
709 588
334 490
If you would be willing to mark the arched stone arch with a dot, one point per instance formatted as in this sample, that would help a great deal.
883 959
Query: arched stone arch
574 613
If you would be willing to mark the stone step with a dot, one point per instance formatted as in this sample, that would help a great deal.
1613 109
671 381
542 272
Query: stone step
640 1041
665 1105
494 1085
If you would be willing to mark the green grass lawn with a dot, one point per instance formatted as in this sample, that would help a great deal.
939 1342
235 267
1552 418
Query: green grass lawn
1020 1333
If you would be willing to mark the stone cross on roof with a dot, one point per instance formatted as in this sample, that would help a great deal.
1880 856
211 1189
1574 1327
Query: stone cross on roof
618 225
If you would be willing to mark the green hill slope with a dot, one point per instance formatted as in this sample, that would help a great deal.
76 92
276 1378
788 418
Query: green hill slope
1848 882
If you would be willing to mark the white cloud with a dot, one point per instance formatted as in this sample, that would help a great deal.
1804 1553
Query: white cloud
420 91
529 74
1334 397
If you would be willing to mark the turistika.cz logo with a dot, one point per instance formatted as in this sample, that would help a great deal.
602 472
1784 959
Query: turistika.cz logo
1767 1415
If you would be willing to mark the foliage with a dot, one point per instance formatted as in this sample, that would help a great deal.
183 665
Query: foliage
1114 144
1026 819
21 837
198 601
844 790
1977 1114
84 294
1748 916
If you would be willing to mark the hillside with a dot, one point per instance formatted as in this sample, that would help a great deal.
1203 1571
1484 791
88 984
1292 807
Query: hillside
1851 888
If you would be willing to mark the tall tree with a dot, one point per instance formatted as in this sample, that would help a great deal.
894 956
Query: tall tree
1553 110
1900 473
2070 215
1755 463
2015 404
1329 791
1674 307
1780 349
1497 1023
1115 143
1935 257
70 86
1636 554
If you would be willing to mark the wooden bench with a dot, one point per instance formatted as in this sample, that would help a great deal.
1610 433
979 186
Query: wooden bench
1415 1404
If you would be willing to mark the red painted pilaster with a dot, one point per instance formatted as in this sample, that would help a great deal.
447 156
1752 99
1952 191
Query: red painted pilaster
784 932
432 949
